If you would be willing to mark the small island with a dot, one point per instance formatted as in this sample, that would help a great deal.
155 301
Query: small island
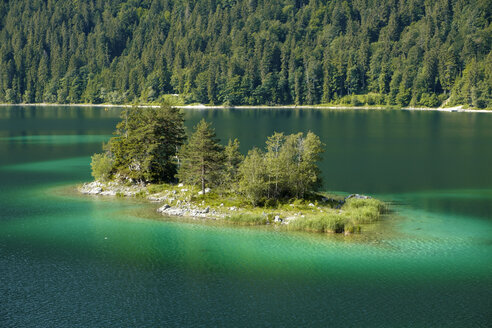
151 157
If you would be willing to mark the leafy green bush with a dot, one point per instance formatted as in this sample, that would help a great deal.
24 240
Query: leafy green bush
157 188
429 100
355 101
102 166
271 203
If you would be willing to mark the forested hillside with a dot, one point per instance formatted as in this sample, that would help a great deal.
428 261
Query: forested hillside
400 52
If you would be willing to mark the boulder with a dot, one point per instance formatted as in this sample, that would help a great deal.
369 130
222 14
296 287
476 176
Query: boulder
163 208
357 196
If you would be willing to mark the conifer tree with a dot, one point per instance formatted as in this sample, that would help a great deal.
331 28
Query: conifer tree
201 159
232 160
146 143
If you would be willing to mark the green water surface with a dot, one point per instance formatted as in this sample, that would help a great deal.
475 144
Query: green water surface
74 261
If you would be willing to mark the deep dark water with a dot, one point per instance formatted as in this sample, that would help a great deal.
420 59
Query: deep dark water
69 261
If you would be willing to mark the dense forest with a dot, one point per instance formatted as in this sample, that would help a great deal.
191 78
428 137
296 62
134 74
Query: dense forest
395 52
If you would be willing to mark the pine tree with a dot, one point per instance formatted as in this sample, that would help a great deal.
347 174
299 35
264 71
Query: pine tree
232 160
146 143
201 159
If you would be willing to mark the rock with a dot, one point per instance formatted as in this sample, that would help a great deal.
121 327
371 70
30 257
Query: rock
156 199
163 208
277 219
94 191
184 190
311 205
207 190
233 208
221 204
180 185
357 196
206 210
108 193
92 188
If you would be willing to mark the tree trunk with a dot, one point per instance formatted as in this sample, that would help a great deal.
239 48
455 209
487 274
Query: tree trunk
203 180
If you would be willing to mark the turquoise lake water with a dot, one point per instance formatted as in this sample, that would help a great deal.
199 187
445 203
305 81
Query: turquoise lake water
73 261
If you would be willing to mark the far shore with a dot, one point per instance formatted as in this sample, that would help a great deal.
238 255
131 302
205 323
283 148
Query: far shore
459 109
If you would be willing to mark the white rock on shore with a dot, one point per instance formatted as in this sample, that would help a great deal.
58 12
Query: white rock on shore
109 189
188 210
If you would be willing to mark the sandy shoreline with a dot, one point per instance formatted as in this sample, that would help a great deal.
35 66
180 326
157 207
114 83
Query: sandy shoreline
459 109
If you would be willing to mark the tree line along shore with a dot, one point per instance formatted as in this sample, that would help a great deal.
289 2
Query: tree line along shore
151 157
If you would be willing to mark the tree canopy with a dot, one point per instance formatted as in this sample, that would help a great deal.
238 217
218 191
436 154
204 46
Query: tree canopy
149 146
144 146
252 52
202 158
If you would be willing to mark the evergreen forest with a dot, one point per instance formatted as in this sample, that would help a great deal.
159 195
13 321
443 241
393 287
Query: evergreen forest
247 52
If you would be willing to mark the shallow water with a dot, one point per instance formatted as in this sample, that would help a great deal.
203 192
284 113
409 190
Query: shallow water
71 261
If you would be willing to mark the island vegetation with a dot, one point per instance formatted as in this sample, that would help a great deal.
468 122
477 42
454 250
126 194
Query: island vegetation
150 156
247 52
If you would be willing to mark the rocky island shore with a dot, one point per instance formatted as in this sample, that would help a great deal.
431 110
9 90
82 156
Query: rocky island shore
322 213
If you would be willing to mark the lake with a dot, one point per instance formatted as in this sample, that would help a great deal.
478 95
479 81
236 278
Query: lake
75 261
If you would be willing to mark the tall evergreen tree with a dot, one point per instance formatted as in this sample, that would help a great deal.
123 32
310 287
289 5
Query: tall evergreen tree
201 159
232 160
146 143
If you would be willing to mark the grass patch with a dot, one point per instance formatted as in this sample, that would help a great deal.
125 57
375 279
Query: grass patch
327 223
246 219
